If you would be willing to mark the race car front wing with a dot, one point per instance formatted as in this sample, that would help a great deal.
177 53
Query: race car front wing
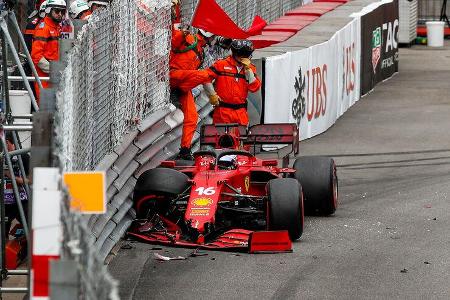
232 240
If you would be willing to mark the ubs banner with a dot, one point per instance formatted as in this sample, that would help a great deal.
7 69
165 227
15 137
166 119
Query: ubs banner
379 44
313 87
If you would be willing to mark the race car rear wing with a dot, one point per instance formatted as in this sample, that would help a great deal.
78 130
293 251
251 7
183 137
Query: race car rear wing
236 136
274 134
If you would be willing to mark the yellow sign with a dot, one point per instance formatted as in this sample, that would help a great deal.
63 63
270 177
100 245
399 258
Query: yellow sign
87 191
247 183
202 201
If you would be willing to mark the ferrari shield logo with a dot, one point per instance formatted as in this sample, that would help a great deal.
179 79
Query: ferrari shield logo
376 48
247 183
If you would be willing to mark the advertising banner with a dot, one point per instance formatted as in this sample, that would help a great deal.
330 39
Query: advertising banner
349 66
312 87
379 38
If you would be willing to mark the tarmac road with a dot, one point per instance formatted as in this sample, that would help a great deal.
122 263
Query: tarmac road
389 238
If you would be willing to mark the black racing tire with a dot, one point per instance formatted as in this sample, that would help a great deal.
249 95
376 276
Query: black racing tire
161 182
285 205
318 177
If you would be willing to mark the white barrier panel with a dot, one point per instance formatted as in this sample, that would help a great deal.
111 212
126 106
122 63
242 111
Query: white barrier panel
314 86
46 229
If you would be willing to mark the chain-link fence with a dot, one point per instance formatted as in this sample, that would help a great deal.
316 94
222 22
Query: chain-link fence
117 75
95 281
242 12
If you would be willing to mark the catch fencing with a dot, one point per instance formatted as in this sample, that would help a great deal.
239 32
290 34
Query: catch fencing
116 76
242 12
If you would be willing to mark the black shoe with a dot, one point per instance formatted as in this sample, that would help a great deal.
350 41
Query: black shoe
185 154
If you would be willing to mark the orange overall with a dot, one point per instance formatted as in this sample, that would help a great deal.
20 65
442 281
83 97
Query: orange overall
29 31
45 45
185 59
232 87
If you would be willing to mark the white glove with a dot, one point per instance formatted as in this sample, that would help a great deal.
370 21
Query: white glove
249 75
44 65
209 89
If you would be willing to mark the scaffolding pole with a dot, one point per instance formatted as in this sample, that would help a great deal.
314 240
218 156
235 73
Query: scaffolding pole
6 120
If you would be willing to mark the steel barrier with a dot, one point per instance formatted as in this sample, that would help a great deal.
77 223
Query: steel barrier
155 140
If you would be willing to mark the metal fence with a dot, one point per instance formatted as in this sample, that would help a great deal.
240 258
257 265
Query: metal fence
242 12
117 75
430 10
95 282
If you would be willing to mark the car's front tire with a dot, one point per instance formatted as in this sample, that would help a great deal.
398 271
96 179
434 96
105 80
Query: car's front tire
154 186
285 206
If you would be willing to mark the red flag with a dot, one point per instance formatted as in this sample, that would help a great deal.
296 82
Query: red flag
211 17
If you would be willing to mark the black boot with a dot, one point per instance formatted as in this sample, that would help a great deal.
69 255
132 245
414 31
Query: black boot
185 154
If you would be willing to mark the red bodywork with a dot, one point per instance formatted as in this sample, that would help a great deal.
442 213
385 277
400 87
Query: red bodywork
223 180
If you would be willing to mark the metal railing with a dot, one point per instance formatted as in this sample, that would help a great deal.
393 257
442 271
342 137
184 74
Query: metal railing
13 159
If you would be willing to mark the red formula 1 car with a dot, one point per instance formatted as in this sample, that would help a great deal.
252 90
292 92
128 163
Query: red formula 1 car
230 199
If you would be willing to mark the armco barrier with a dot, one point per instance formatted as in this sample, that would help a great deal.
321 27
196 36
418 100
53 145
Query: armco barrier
156 139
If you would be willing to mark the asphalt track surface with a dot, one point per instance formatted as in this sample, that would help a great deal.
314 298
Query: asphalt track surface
389 238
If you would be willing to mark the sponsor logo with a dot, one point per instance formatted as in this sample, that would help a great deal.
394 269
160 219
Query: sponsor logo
349 66
200 212
391 29
392 35
202 201
376 48
389 45
299 103
247 183
314 85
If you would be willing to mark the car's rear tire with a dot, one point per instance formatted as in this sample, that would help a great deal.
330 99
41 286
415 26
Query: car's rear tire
156 185
318 177
285 206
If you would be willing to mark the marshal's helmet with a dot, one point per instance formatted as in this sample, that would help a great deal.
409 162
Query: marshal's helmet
77 7
242 48
57 4
205 33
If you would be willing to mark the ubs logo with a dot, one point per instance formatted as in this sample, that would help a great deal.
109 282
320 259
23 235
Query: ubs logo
311 91
299 103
